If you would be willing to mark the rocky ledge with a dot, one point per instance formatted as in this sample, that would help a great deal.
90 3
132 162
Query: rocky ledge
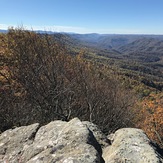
76 142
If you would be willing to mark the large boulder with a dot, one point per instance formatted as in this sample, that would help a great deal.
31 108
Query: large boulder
58 141
130 145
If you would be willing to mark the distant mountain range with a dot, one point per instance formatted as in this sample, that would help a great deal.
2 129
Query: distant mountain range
3 31
115 43
109 41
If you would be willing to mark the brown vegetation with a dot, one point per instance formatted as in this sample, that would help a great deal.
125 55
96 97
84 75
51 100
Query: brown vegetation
151 117
41 82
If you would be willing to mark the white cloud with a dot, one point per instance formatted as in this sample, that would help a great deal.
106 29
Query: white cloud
4 26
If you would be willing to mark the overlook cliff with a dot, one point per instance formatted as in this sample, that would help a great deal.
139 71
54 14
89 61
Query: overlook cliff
76 142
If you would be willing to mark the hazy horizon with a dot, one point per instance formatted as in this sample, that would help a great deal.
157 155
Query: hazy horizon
44 31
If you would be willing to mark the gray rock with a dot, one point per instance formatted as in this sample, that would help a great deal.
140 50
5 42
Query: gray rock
12 142
44 138
58 141
98 134
131 145
75 142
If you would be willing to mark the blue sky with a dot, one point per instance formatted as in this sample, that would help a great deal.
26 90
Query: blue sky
85 16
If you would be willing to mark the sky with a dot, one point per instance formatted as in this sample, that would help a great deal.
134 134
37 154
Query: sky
84 16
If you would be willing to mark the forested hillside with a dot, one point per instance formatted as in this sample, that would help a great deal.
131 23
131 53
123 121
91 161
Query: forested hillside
112 81
137 56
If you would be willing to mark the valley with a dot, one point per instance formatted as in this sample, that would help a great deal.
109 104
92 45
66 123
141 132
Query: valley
136 56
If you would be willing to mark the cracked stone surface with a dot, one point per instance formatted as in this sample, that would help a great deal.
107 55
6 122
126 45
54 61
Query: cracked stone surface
130 145
14 142
57 142
75 142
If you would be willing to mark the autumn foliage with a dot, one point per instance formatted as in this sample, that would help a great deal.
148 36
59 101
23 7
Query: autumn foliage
41 81
151 120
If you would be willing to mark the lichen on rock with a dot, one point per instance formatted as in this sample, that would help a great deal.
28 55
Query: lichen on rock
75 142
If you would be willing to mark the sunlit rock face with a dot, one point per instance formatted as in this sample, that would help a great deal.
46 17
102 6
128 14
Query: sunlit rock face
75 142
131 145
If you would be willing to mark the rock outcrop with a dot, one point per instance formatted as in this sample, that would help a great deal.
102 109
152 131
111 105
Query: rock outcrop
75 142
131 145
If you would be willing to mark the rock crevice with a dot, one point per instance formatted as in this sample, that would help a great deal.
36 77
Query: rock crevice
75 142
